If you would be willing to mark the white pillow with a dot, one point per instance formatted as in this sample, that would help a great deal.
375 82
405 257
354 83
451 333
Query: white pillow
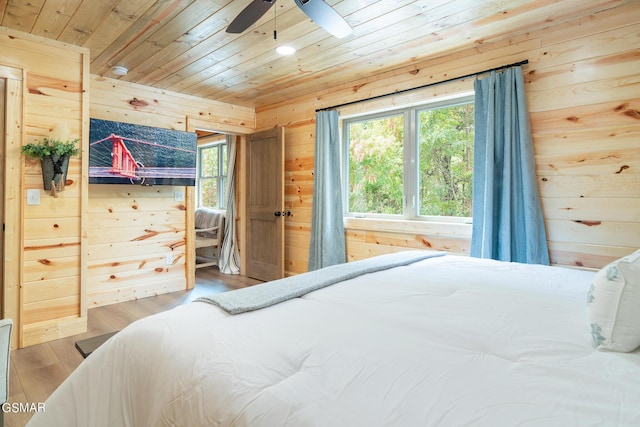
613 304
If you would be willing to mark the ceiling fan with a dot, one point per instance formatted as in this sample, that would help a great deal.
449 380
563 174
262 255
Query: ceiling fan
319 11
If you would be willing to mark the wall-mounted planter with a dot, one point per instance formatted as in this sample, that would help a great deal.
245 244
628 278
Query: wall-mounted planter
54 171
54 157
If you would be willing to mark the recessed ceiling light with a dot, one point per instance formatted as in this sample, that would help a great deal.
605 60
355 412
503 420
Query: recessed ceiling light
286 50
119 70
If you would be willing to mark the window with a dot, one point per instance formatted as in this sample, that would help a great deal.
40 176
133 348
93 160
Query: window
376 165
212 175
413 163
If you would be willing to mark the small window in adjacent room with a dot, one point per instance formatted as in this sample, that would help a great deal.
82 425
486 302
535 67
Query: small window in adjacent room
411 163
212 175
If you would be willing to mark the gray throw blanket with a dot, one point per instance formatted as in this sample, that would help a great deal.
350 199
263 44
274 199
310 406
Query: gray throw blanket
277 291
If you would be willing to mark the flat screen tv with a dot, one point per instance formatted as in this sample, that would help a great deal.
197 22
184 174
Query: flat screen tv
124 153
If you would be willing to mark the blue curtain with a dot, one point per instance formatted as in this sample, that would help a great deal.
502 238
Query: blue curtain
507 216
327 229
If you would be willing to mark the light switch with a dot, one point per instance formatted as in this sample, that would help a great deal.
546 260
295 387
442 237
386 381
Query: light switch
33 196
178 196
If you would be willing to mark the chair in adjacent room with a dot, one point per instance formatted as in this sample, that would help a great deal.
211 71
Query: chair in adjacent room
209 228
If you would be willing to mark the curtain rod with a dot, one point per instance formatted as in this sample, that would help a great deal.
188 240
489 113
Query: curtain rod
515 64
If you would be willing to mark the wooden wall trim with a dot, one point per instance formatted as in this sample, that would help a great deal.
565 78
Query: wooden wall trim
224 125
190 246
12 215
84 191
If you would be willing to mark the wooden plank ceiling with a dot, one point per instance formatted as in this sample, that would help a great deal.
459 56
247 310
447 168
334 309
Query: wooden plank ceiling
181 45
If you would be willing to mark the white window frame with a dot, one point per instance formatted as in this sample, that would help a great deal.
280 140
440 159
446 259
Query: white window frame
220 178
410 171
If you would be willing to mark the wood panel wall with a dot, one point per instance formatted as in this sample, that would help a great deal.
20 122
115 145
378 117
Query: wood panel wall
584 97
583 91
42 283
132 229
137 241
92 245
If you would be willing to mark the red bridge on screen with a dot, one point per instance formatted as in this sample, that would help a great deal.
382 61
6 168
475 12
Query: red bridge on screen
118 156
123 163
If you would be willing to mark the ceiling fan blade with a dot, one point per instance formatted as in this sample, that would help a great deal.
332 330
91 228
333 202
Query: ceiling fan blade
249 15
325 16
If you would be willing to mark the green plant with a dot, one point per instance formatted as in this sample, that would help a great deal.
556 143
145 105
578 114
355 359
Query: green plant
51 147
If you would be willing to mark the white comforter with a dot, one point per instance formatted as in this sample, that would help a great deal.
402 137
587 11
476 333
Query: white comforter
450 341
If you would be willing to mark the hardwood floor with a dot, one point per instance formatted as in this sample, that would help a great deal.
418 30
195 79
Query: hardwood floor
36 371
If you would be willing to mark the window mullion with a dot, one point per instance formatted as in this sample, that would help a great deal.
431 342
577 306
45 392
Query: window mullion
410 165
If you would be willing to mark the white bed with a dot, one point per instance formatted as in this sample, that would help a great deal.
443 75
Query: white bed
447 341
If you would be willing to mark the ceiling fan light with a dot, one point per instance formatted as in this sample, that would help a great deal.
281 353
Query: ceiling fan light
286 50
119 70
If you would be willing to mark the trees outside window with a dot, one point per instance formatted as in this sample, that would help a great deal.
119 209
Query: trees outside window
413 163
376 165
212 175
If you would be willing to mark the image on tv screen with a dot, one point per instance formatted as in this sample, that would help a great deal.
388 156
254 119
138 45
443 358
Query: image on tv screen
124 153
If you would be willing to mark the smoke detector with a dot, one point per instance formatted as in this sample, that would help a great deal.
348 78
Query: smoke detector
119 70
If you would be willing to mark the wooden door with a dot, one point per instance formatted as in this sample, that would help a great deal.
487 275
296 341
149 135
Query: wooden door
265 202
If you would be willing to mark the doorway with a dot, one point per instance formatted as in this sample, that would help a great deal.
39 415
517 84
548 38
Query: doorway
217 165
